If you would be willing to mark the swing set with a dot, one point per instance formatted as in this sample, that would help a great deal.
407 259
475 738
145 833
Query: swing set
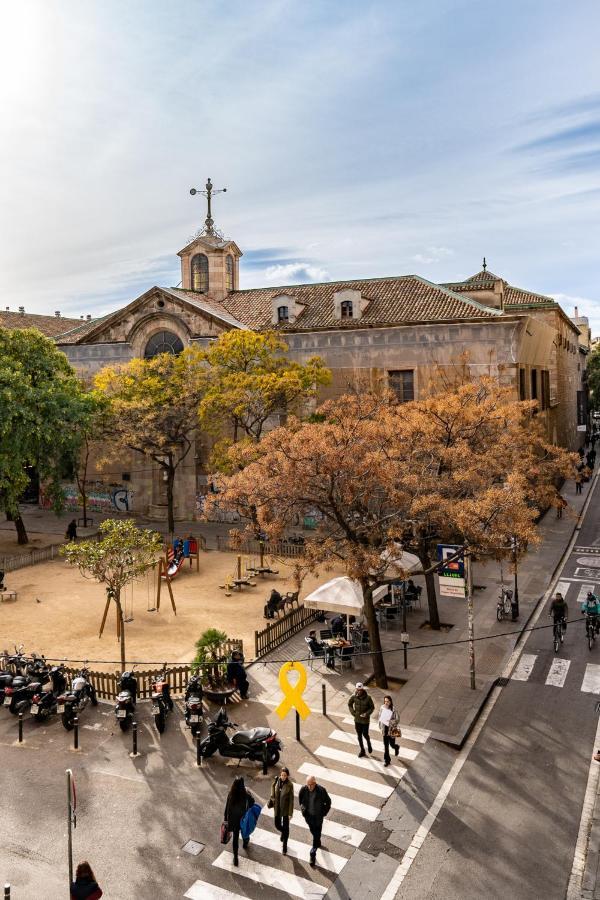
128 596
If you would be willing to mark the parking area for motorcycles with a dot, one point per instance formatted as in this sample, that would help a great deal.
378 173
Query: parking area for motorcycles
58 612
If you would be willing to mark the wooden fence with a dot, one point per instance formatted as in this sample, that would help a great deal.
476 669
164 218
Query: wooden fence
279 631
270 548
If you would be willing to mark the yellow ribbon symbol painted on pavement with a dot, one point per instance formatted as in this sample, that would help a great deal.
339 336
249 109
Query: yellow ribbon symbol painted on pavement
292 692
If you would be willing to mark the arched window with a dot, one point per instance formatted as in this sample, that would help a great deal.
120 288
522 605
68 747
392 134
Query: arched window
200 273
283 314
346 309
229 273
163 342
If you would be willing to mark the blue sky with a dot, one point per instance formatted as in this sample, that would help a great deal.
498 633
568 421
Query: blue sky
355 139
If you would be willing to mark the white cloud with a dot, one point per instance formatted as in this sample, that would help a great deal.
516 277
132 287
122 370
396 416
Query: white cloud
293 273
433 255
585 307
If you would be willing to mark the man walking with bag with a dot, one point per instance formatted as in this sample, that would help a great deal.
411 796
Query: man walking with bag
361 707
315 803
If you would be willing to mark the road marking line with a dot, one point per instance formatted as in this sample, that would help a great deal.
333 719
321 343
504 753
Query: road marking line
591 679
202 890
524 667
406 753
298 850
558 672
585 826
418 735
351 759
562 588
347 805
275 878
583 591
344 833
346 780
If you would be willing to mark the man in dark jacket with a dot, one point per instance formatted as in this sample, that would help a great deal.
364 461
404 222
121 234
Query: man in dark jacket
236 674
361 707
315 803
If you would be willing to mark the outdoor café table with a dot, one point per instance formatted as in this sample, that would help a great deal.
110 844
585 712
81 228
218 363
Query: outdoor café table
336 644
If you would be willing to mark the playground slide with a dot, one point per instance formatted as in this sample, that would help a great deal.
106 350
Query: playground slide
175 567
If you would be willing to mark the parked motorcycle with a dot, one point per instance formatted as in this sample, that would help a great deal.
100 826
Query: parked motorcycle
14 665
45 703
256 743
162 704
193 705
72 703
126 698
18 695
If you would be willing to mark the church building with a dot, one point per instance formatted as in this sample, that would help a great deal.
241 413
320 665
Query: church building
397 330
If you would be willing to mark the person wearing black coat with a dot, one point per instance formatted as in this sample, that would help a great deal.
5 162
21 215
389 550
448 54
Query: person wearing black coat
237 674
85 886
239 801
315 803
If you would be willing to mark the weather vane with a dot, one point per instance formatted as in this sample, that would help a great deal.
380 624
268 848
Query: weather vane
208 193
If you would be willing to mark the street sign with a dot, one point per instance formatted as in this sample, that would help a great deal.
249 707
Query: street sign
452 574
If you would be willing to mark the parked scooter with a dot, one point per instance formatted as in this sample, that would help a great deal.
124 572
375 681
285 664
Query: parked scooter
72 703
126 698
45 703
18 695
256 743
193 705
162 704
14 665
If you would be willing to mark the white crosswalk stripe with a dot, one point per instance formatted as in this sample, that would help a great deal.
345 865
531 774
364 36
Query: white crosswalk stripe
563 587
344 833
347 780
406 753
418 735
270 877
298 849
351 759
524 667
583 592
202 890
558 672
591 679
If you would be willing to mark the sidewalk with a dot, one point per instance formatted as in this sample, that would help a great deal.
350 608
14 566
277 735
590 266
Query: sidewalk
434 692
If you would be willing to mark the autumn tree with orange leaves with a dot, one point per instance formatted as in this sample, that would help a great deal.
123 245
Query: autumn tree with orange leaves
468 465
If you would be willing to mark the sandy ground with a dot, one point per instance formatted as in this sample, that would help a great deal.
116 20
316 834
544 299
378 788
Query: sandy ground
66 620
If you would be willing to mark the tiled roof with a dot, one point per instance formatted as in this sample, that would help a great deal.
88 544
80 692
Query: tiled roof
393 301
483 277
204 304
48 325
73 335
514 296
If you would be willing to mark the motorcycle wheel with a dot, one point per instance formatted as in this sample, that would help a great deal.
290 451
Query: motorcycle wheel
39 717
206 752
67 722
499 614
12 710
123 724
94 700
273 757
159 721
195 730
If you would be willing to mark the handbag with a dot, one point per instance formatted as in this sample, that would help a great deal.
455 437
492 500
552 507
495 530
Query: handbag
225 833
395 731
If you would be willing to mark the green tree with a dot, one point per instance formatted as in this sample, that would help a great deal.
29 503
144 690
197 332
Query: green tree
40 399
122 554
154 405
88 430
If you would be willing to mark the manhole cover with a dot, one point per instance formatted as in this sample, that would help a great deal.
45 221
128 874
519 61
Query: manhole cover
193 847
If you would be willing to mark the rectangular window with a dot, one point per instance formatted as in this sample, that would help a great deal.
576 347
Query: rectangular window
534 384
402 383
522 385
545 390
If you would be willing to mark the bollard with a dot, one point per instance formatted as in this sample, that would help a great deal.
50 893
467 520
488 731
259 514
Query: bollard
75 733
297 725
324 698
134 733
20 728
198 751
7 892
265 760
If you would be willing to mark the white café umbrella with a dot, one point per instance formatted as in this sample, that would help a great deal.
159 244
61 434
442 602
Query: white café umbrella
342 595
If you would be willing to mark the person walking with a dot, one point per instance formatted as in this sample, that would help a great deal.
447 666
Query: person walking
361 707
71 534
389 725
315 803
85 886
239 800
282 804
560 504
578 482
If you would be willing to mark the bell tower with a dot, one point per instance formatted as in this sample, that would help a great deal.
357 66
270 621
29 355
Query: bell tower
210 262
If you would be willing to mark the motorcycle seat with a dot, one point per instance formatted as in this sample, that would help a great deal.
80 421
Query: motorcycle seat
123 695
248 737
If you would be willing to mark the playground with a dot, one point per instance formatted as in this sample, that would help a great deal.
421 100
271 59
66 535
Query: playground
58 612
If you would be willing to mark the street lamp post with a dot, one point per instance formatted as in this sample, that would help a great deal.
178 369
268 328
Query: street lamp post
515 599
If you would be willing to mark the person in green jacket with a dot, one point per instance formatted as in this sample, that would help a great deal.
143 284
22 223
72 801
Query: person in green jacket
282 804
361 707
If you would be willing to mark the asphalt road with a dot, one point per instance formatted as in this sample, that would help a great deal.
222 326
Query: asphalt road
510 822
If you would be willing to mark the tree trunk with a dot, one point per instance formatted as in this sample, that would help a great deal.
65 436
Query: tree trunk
20 526
84 504
425 560
122 628
170 497
374 637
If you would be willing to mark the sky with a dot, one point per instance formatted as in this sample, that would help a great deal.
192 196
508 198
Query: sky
355 139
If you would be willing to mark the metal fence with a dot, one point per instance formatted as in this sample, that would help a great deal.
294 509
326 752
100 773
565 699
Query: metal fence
279 631
269 548
30 558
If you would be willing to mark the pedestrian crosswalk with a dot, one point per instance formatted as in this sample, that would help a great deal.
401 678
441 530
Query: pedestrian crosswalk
556 673
357 786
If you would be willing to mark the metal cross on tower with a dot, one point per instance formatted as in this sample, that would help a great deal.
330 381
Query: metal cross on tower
484 262
208 193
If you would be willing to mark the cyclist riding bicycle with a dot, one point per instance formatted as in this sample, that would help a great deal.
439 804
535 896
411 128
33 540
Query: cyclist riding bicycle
591 607
559 610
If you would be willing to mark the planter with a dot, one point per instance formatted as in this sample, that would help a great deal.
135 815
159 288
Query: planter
218 695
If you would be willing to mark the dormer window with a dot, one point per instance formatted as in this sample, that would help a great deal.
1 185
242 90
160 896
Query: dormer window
199 273
283 314
229 273
346 309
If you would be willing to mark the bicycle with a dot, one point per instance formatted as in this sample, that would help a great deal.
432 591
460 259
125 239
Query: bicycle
558 631
591 628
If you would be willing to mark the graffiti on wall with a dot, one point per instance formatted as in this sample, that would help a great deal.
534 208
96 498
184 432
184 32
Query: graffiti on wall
100 498
216 514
